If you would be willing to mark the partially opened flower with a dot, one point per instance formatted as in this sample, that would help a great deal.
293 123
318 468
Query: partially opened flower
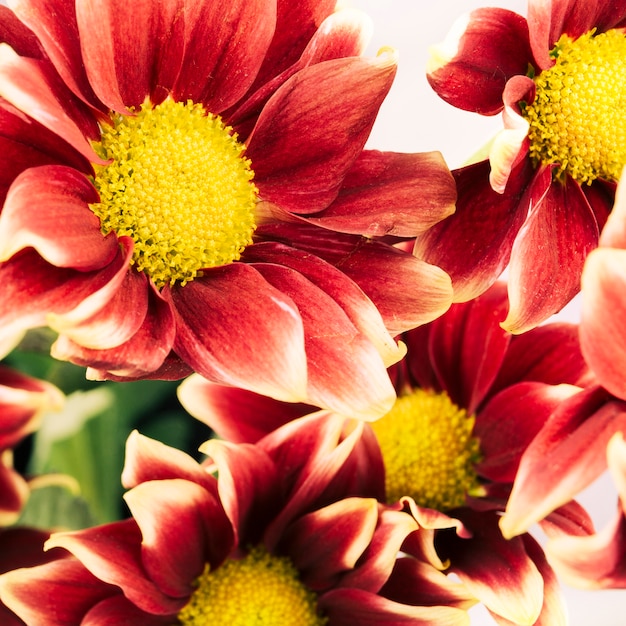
471 399
288 531
166 170
542 197
23 400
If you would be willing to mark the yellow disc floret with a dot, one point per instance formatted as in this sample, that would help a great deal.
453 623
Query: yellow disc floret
428 450
179 186
258 590
578 117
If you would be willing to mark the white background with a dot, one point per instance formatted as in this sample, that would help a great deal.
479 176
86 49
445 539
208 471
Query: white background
414 119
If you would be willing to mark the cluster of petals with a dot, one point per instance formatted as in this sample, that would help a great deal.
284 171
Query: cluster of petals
586 435
327 216
511 384
23 401
309 491
509 211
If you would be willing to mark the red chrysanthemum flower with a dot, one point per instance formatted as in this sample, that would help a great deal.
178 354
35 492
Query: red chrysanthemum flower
23 400
543 196
290 528
168 170
471 398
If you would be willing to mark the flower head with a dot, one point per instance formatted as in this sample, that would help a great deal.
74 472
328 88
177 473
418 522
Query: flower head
541 199
185 188
289 529
471 398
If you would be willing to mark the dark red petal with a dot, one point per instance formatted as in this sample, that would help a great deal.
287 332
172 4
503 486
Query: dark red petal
33 88
118 611
483 50
14 32
314 127
497 571
235 414
473 245
64 589
230 321
559 232
574 439
549 354
509 422
467 346
387 193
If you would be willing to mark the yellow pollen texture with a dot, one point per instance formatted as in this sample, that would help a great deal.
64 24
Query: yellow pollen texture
428 450
179 186
578 117
259 590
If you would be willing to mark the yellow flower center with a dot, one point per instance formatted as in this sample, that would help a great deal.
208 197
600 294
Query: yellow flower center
179 186
259 590
428 450
578 118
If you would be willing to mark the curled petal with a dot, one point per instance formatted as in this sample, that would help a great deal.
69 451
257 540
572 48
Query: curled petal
482 51
38 201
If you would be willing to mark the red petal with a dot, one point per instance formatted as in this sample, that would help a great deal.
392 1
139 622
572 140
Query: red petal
314 127
495 570
387 193
346 373
509 422
328 542
64 589
14 32
54 23
549 20
559 232
231 321
118 611
602 334
482 51
467 346
31 87
112 553
248 487
574 439
42 198
474 244
183 527
346 607
235 414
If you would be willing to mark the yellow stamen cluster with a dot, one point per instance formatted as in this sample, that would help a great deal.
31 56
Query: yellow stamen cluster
428 450
578 117
258 590
179 186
